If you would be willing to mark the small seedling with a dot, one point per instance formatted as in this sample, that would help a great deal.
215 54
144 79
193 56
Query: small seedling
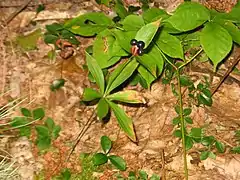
46 133
65 175
142 175
22 122
103 158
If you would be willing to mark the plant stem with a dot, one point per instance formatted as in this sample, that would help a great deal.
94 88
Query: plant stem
168 60
191 59
182 126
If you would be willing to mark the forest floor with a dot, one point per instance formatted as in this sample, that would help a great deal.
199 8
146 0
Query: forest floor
29 74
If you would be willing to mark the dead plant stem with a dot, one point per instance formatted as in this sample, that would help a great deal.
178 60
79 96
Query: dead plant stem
81 133
226 74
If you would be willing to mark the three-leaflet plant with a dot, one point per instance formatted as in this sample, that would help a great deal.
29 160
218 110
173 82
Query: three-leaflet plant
169 42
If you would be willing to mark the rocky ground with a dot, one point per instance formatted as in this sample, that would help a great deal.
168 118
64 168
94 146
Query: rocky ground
29 74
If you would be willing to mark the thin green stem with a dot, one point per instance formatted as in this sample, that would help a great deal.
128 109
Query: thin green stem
175 67
191 59
182 126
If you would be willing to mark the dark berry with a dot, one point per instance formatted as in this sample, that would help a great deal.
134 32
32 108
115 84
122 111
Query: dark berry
140 52
140 44
133 42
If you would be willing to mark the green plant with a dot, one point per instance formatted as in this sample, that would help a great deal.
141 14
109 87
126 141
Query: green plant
142 175
88 168
65 175
46 133
172 42
236 149
22 122
102 158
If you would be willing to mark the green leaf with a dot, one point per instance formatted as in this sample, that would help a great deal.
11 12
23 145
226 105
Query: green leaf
177 109
121 74
69 36
66 174
40 8
216 42
124 121
54 28
204 155
176 120
204 97
57 84
220 146
127 96
50 39
233 16
106 144
25 131
120 9
90 94
143 175
147 32
42 131
56 131
106 49
134 80
146 75
188 120
124 38
43 143
152 61
185 81
38 113
187 111
155 177
188 142
212 155
19 121
89 24
99 159
118 162
154 14
131 175
102 108
49 123
232 30
191 41
133 23
26 112
188 16
170 45
208 140
96 72
196 133
105 2
177 133
236 150
52 55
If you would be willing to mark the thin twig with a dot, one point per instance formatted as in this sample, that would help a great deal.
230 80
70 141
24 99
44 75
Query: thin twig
226 74
10 18
81 133
163 165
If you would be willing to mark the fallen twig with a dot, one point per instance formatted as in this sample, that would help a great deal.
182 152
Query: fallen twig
226 74
13 15
81 133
